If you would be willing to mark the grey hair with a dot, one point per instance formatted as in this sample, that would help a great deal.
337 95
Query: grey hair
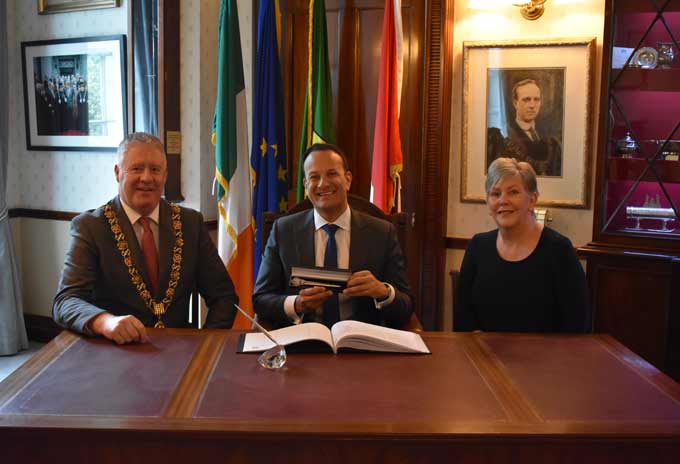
138 137
503 167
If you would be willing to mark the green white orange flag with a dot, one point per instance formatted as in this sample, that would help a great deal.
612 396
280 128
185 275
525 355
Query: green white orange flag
387 154
317 122
232 162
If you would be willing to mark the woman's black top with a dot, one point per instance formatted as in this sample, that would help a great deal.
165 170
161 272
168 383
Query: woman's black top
545 292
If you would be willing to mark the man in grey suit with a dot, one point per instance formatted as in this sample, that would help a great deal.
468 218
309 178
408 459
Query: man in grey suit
377 291
135 261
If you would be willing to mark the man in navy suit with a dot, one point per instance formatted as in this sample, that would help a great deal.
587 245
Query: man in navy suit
377 291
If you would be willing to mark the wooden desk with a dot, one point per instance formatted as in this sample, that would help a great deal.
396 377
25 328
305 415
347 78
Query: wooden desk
188 397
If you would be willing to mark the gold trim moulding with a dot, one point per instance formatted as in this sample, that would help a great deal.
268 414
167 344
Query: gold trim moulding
52 7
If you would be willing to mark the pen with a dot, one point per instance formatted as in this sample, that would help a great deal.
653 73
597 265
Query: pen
259 327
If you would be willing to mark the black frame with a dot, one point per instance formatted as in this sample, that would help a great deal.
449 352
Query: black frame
100 144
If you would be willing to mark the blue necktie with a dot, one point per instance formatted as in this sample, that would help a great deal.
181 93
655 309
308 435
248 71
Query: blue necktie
331 307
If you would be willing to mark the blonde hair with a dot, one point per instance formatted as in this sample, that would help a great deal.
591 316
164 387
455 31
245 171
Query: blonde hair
503 167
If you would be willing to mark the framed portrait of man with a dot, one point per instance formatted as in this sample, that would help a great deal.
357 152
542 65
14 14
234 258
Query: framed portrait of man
525 117
529 100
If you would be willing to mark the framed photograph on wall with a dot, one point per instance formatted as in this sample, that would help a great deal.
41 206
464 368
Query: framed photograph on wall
75 94
529 100
65 6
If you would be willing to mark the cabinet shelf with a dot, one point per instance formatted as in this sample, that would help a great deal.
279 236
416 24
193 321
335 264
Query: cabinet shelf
642 6
631 168
647 79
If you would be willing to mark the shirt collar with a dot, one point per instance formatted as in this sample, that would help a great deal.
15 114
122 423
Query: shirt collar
526 126
134 216
343 221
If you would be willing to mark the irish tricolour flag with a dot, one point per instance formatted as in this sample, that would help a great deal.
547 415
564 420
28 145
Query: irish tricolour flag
232 164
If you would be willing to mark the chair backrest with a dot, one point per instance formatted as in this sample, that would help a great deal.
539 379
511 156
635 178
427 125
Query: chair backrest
399 220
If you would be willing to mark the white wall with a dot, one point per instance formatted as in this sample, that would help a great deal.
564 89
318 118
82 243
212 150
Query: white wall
584 19
198 69
51 180
77 181
54 180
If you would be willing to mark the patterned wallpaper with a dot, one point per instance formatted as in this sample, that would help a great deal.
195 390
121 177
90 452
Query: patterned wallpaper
76 181
65 181
198 61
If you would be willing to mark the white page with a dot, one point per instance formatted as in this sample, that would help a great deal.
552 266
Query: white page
355 333
255 342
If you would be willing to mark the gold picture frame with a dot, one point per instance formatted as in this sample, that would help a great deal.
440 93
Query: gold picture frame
66 6
557 141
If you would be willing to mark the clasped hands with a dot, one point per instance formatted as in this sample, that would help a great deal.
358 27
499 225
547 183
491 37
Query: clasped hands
362 283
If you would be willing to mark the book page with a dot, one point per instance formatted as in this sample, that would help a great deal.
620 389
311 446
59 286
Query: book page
370 337
255 342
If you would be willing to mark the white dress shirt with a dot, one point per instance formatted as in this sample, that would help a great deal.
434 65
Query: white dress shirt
529 128
134 216
342 241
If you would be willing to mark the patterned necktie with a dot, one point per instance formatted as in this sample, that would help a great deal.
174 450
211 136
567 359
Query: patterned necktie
150 254
534 135
331 307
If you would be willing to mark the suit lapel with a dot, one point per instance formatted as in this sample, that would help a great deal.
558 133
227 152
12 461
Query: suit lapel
304 240
131 238
358 249
165 243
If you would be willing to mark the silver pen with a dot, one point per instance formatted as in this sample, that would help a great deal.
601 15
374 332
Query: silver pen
298 282
259 327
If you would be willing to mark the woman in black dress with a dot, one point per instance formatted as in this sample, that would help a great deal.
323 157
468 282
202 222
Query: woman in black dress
522 276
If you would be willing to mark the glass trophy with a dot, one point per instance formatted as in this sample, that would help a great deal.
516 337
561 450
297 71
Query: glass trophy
273 358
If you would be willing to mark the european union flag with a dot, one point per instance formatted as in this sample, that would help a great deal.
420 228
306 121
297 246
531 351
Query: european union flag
268 155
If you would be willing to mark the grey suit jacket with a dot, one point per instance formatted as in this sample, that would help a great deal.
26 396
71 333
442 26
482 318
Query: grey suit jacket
95 279
373 246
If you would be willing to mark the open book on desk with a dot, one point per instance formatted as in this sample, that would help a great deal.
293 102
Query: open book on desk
350 335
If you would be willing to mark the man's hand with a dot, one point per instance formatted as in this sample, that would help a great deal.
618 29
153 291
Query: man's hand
364 283
120 329
311 299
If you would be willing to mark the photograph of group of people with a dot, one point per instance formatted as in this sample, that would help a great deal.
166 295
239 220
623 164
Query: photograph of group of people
61 95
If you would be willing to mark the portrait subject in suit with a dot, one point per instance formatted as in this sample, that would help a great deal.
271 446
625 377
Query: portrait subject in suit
525 116
134 262
332 235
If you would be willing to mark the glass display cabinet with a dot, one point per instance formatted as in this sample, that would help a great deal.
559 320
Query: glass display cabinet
633 262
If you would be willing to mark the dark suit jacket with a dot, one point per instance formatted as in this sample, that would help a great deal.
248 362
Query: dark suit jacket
96 280
544 155
373 247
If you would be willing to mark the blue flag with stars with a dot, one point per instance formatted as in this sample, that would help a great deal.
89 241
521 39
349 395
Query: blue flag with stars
268 155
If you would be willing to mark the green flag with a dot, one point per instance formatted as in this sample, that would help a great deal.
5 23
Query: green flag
232 161
317 122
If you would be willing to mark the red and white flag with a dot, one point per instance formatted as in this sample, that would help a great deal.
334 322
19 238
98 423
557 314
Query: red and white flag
387 155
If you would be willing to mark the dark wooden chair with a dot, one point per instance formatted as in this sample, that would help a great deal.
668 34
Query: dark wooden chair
399 220
454 273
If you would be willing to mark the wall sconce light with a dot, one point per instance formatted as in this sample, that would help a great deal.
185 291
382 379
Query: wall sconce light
531 9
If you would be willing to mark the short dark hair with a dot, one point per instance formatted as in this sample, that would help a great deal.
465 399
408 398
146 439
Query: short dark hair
326 147
522 83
